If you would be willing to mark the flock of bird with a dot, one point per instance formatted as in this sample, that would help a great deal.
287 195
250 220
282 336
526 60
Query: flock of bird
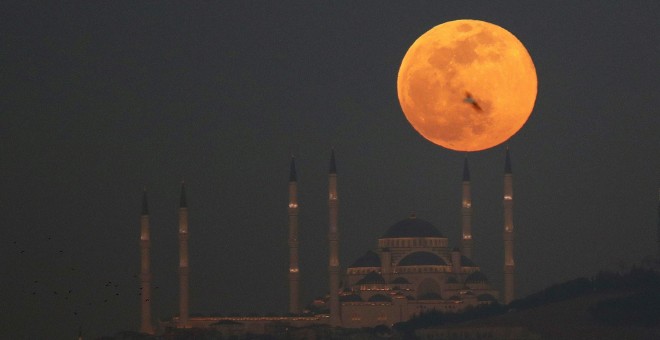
70 286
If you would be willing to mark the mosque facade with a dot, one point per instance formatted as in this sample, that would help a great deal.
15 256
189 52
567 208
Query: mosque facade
411 270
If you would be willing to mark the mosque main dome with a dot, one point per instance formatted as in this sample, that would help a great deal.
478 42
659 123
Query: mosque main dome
412 227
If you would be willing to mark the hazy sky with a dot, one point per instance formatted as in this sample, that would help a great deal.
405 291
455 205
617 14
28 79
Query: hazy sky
101 99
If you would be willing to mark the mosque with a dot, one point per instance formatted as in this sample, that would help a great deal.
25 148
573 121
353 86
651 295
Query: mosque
411 270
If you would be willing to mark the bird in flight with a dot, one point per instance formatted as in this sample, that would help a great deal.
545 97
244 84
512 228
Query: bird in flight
470 100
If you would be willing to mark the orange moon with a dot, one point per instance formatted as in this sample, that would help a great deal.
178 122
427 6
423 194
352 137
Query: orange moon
467 85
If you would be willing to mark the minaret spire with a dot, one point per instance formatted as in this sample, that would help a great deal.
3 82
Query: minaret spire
294 278
509 264
145 269
333 238
658 224
333 165
184 271
466 170
183 203
145 205
466 212
293 175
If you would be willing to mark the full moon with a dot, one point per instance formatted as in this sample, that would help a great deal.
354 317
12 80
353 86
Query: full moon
467 85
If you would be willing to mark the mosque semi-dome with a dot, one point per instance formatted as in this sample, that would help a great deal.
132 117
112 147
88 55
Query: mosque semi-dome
422 258
369 259
412 227
400 280
476 277
371 278
466 262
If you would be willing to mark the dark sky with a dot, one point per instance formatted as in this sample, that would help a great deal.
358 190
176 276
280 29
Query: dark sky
100 99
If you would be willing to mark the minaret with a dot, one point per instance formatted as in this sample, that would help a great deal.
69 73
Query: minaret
294 275
145 271
658 224
333 238
184 271
466 212
508 230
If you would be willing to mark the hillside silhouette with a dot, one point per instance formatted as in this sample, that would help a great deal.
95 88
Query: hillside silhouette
609 305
